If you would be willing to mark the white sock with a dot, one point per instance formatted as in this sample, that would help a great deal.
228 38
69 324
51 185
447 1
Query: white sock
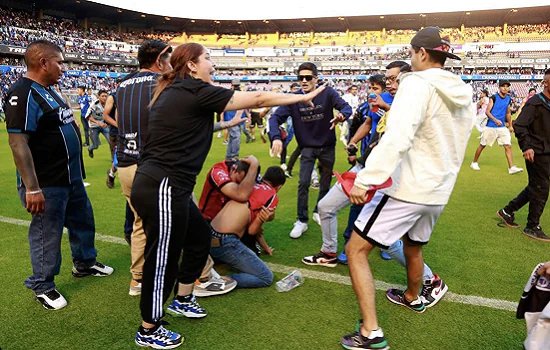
376 333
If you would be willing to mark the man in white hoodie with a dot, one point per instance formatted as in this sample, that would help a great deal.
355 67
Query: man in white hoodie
422 150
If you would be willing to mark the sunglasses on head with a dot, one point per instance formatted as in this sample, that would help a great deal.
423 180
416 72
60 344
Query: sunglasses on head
306 77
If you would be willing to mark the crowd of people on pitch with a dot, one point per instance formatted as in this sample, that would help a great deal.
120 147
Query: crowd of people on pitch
160 122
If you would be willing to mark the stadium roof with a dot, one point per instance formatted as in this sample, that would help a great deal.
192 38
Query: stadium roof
103 14
292 9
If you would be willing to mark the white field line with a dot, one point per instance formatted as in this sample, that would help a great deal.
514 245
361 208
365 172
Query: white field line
330 277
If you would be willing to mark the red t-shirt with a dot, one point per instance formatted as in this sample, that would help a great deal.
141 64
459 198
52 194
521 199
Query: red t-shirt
263 195
212 199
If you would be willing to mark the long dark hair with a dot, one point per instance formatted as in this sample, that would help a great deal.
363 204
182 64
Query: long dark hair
182 55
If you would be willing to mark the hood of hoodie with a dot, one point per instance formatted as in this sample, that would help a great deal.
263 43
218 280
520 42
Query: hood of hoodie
450 87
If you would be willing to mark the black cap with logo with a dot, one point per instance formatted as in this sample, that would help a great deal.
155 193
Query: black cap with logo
430 39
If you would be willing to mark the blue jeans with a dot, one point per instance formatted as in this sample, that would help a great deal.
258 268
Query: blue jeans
255 273
69 207
242 127
234 145
94 134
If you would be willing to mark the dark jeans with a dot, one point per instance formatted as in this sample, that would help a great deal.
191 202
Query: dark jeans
173 224
536 192
128 223
293 158
66 206
325 155
354 212
86 128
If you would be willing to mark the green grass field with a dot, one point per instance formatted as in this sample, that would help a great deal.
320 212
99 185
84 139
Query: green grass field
468 250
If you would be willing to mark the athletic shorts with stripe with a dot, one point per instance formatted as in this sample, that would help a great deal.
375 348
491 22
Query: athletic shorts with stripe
384 220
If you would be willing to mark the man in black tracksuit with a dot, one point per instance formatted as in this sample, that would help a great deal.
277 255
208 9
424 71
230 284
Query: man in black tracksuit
532 129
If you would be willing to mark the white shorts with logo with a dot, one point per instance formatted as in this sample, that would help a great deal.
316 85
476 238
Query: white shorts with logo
384 220
490 135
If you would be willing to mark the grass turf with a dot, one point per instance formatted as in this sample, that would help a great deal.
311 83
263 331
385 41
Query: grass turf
471 253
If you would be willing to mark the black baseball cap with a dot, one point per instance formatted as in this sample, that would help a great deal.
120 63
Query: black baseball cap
504 82
430 39
293 85
485 91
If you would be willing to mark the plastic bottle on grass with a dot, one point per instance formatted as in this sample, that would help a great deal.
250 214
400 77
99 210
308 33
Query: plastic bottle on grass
293 280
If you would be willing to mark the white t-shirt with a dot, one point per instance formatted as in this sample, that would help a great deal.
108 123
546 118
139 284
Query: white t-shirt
481 110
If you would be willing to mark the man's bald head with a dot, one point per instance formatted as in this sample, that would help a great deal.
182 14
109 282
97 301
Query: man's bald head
38 50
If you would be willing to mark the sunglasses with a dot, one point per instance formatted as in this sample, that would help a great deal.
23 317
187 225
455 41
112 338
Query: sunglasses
306 77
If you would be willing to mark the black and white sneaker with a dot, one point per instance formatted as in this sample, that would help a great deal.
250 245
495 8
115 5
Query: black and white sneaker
160 338
51 300
98 269
321 259
433 291
508 219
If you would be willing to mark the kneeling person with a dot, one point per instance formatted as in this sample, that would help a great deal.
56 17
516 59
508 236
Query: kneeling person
229 226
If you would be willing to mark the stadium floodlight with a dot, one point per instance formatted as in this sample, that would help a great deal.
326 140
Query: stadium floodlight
249 9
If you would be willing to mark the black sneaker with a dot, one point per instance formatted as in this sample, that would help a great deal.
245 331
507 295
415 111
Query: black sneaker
536 233
397 296
91 153
356 341
110 180
98 269
321 259
507 218
51 300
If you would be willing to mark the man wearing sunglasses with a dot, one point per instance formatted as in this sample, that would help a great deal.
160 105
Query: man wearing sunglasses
132 100
315 134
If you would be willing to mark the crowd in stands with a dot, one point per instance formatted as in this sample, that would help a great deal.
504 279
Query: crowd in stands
19 28
11 61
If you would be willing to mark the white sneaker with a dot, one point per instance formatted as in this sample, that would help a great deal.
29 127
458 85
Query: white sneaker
284 167
298 230
51 300
219 135
135 290
474 166
316 218
514 170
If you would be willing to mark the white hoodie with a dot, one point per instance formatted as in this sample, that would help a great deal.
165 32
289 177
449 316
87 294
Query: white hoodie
427 131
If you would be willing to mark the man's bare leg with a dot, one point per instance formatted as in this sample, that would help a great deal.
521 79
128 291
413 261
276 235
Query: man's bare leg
415 268
362 281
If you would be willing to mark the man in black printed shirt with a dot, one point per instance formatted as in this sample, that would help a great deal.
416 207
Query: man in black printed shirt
132 100
46 147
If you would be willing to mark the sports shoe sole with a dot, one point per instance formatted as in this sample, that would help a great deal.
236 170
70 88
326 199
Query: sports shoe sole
184 314
504 221
334 264
208 293
155 346
538 239
355 348
405 306
444 291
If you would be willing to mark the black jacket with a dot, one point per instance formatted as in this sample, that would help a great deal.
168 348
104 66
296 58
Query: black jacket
532 127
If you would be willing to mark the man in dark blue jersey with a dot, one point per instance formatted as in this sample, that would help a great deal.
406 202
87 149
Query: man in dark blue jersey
46 146
132 114
314 130
84 101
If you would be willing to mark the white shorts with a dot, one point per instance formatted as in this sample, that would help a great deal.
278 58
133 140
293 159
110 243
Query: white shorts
490 135
384 220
